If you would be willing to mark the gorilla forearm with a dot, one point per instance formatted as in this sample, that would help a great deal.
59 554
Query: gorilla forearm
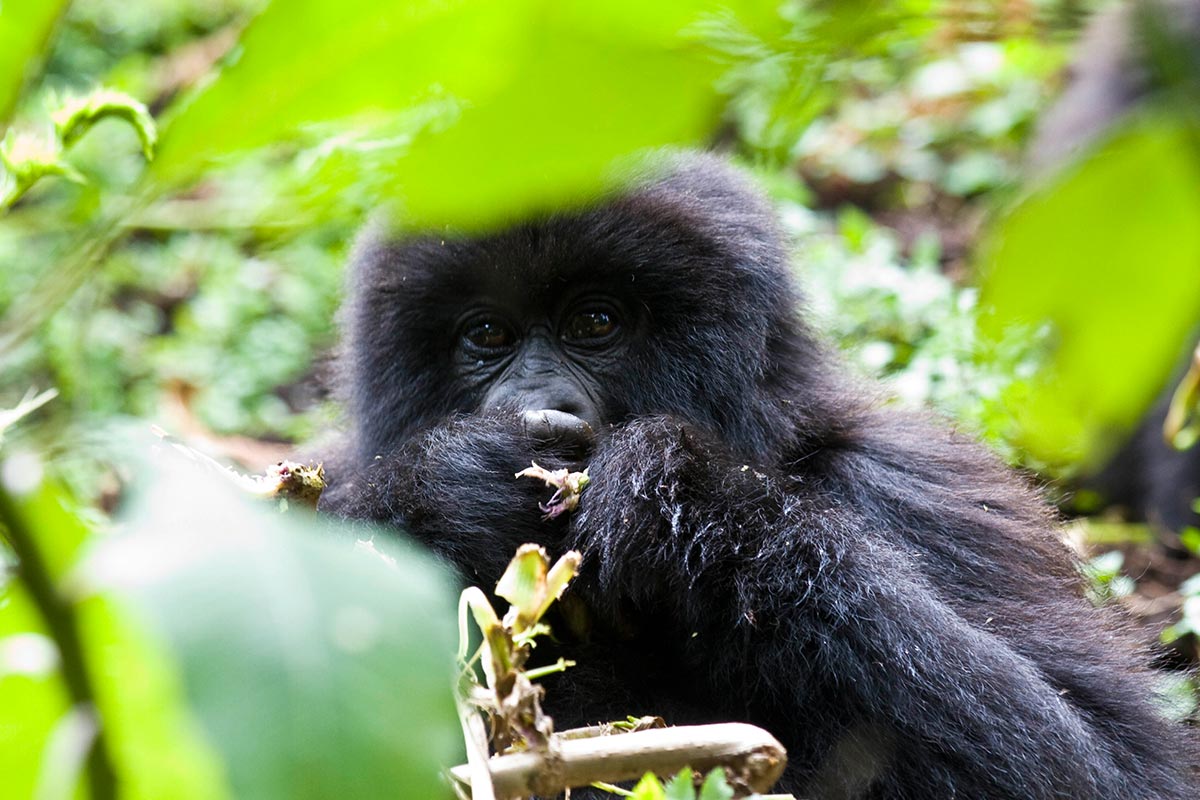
754 569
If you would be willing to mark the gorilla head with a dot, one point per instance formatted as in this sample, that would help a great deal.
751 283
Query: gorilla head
762 542
674 299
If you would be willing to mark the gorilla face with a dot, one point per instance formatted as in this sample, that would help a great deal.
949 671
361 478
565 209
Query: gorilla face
545 357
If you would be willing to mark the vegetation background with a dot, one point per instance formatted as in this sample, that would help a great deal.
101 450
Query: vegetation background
180 181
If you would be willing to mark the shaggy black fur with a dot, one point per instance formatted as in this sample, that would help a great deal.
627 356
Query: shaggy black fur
762 540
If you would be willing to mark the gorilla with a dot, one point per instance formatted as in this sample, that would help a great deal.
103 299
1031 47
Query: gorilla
763 539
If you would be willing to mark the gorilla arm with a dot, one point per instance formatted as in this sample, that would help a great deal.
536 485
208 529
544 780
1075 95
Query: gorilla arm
795 607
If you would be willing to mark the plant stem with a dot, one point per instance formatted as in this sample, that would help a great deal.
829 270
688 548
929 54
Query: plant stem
62 623
750 756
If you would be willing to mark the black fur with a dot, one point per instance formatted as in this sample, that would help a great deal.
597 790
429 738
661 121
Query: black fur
762 540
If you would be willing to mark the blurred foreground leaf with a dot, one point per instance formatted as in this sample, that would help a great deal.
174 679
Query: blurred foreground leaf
25 25
32 698
547 93
1109 257
80 683
316 670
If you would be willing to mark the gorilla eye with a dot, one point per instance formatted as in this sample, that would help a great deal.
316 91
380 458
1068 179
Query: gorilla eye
488 335
593 324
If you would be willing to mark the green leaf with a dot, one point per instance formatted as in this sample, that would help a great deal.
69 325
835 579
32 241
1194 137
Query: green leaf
148 734
716 787
46 508
580 95
523 583
25 27
681 787
315 670
305 61
648 788
1109 258
548 92
157 748
32 698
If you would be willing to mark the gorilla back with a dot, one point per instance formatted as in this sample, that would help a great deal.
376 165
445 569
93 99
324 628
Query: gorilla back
762 540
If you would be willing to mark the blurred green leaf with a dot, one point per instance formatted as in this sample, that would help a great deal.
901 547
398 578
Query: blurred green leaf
44 507
549 93
581 94
1109 258
32 698
29 403
147 733
648 788
158 748
304 61
25 25
316 670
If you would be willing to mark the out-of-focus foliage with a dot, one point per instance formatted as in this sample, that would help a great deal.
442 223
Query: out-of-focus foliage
530 100
172 328
25 26
1189 622
297 667
29 156
1105 578
781 81
901 319
1124 294
343 669
952 124
44 730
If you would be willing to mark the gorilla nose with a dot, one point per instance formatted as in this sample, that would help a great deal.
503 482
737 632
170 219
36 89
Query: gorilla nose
551 426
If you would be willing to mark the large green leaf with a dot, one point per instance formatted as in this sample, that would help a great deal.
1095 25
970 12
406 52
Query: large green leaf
579 97
549 91
25 26
148 735
315 670
304 61
1109 258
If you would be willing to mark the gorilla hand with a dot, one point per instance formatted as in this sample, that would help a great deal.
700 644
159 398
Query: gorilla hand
454 489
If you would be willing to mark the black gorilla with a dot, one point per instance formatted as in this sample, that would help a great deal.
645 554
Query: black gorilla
762 540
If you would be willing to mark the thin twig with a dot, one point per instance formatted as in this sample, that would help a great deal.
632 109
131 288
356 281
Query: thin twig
63 625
